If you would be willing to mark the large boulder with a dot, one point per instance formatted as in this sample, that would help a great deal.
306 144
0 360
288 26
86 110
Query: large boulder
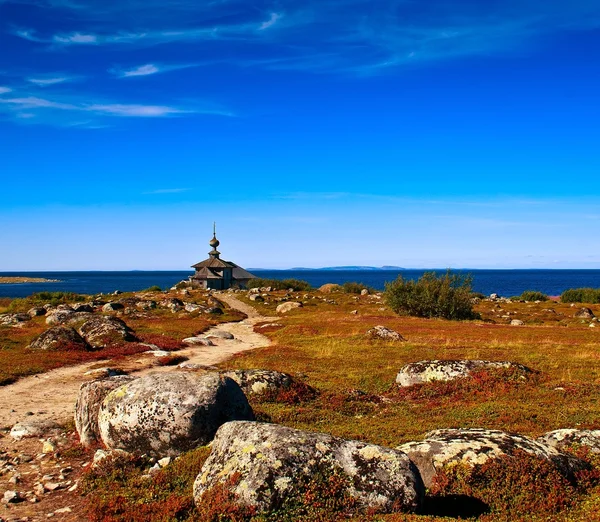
476 446
566 437
102 330
59 338
286 307
270 460
164 414
329 288
448 370
257 382
90 397
584 313
385 333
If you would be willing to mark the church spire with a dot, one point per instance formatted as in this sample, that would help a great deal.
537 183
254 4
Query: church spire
214 243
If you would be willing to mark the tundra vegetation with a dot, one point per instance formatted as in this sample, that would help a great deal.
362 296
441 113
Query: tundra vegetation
345 386
581 295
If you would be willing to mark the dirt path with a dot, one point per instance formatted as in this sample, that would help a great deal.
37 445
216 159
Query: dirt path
52 395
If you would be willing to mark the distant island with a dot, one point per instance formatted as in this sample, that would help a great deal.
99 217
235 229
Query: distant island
20 279
357 268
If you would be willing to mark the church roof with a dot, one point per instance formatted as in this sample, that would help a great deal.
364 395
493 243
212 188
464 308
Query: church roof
213 262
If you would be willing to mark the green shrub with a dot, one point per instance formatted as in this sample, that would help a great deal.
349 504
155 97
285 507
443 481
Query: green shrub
42 298
153 288
279 284
356 288
581 295
533 295
448 296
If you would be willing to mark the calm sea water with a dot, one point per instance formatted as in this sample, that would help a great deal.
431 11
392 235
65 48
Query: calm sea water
503 282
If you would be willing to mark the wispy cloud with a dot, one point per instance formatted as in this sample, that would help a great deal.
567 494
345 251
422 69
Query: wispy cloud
4 90
167 191
142 70
151 68
270 22
47 81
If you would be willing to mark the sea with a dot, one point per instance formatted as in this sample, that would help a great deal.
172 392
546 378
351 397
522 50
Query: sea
502 282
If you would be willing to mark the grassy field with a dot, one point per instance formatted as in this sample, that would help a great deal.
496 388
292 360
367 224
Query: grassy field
323 344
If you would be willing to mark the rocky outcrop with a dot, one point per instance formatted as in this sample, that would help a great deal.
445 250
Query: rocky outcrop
100 331
283 308
164 414
59 338
270 461
257 382
476 446
566 437
584 313
382 332
13 319
90 397
439 370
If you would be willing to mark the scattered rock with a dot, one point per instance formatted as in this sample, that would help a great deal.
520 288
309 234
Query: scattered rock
192 307
584 313
517 322
101 455
173 304
33 428
112 307
256 382
286 307
13 319
90 397
159 353
364 291
146 305
59 316
165 414
12 497
59 338
256 297
215 310
476 446
197 341
439 370
36 311
220 334
560 438
382 332
271 460
103 373
103 330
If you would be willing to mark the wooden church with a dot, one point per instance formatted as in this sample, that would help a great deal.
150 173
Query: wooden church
217 274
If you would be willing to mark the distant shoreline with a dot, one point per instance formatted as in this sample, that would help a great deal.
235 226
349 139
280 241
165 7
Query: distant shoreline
20 279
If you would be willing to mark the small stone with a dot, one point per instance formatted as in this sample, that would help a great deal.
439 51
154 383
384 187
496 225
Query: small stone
39 489
63 510
354 312
517 322
48 447
72 488
11 497
52 486
164 462
15 479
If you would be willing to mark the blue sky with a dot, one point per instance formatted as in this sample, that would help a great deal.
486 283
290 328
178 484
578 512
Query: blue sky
315 133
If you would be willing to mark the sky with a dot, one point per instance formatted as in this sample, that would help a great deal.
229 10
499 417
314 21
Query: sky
446 133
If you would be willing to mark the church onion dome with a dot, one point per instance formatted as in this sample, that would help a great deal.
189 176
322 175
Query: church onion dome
214 242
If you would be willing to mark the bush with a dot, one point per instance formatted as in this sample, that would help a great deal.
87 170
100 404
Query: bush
581 295
448 296
356 288
42 298
153 288
279 284
533 295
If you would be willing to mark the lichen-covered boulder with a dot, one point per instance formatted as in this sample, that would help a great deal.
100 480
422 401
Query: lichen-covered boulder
584 313
448 370
560 438
113 306
476 446
270 460
36 311
13 319
90 397
287 307
102 330
164 414
257 382
59 338
385 333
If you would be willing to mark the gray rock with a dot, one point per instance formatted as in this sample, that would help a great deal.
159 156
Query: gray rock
13 319
30 428
560 438
284 308
59 316
165 414
197 341
382 332
584 313
36 311
192 307
90 397
12 497
172 304
476 446
270 460
59 338
146 305
257 382
440 370
83 307
256 297
220 334
364 291
517 322
102 330
112 307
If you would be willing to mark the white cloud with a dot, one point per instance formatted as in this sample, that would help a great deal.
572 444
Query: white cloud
270 22
142 70
4 90
76 38
43 82
132 110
